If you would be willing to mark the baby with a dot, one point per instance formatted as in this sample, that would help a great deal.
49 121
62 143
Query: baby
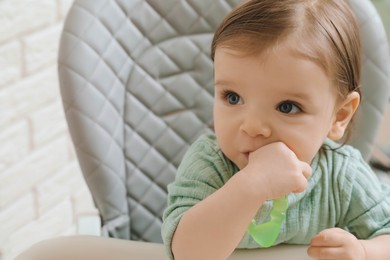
287 84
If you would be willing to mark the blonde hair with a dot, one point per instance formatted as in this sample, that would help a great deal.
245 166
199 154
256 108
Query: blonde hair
324 31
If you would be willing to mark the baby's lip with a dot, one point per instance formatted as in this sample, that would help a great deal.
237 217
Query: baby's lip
248 151
246 154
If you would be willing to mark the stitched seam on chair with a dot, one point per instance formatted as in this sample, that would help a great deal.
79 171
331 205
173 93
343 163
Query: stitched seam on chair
63 63
185 36
368 22
177 65
136 203
66 31
200 15
145 105
144 118
154 140
375 108
151 112
146 72
116 78
78 145
86 115
163 18
112 39
103 202
378 67
150 226
102 128
127 18
149 176
162 52
71 106
173 130
200 52
369 137
173 95
93 71
141 196
159 43
108 44
125 62
168 162
106 200
136 164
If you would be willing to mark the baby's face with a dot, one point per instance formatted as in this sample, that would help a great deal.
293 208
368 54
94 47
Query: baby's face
278 96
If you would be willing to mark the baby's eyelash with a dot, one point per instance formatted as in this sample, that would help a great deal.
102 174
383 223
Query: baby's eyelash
226 93
231 97
290 102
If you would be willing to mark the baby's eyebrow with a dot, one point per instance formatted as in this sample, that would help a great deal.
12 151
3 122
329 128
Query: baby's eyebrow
223 82
299 95
295 91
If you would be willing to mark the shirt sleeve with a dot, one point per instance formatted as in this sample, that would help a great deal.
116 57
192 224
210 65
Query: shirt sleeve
202 171
368 213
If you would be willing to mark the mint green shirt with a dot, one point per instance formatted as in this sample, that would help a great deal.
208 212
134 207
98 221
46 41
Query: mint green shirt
342 192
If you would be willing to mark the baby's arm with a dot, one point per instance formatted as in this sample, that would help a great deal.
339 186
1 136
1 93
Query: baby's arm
336 243
213 227
377 248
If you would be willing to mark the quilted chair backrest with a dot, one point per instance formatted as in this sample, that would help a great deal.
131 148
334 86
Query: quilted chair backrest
136 81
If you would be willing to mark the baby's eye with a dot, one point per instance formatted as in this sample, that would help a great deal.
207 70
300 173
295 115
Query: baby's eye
289 107
232 98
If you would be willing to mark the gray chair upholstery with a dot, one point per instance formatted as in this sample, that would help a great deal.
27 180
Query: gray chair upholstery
136 81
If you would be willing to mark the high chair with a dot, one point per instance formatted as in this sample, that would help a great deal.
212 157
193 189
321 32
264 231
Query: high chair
136 81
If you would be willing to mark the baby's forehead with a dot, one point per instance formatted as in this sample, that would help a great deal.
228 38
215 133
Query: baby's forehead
248 46
283 67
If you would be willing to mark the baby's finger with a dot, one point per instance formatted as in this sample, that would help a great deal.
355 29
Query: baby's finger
306 169
329 238
325 252
302 183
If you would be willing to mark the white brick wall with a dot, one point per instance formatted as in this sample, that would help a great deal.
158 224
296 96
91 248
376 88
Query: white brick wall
42 192
10 61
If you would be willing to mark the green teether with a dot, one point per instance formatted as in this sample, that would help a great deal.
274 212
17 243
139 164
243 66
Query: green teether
266 234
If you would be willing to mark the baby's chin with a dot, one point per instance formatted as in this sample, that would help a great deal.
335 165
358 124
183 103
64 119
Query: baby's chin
240 164
307 159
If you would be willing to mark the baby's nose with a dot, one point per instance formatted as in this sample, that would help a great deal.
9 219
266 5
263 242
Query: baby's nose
255 126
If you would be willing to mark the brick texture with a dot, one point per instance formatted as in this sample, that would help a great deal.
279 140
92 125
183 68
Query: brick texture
22 17
40 48
42 192
10 62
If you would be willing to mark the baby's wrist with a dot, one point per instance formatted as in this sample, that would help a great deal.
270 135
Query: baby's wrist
363 246
251 187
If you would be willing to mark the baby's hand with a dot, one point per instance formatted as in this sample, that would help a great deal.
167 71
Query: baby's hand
337 244
278 170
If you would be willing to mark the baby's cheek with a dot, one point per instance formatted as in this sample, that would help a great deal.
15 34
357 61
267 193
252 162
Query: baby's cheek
307 152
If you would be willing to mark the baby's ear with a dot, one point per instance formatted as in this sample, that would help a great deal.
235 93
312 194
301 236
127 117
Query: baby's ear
344 115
